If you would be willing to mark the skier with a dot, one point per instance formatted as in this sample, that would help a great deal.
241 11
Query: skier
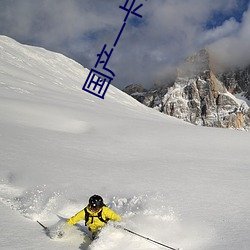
95 214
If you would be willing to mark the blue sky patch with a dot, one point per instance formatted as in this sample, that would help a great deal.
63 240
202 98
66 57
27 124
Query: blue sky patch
219 17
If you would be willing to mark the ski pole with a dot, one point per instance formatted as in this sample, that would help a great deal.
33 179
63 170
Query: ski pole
146 238
45 228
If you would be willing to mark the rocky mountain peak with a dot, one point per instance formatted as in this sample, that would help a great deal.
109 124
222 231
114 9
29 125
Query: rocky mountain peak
202 97
196 64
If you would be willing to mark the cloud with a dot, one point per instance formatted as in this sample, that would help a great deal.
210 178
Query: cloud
233 49
228 28
149 47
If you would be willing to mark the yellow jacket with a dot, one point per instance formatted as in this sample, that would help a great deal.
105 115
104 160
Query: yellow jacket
94 223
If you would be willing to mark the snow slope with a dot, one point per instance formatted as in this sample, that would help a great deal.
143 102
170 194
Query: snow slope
176 183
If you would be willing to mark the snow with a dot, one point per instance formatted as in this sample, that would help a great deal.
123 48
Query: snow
242 99
182 185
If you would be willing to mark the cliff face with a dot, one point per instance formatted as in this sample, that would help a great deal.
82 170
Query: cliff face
201 97
237 81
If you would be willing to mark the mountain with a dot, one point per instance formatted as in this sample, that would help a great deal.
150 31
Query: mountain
202 97
182 185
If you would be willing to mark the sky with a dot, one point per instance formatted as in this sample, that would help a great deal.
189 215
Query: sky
148 48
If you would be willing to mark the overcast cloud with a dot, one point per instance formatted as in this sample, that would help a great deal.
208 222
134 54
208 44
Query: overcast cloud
149 47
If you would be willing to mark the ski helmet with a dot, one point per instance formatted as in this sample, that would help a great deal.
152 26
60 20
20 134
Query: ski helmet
95 202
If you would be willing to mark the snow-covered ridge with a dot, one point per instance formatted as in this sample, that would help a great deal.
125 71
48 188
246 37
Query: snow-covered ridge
36 68
38 74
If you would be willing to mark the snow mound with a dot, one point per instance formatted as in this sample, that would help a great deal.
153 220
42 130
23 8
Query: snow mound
42 116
